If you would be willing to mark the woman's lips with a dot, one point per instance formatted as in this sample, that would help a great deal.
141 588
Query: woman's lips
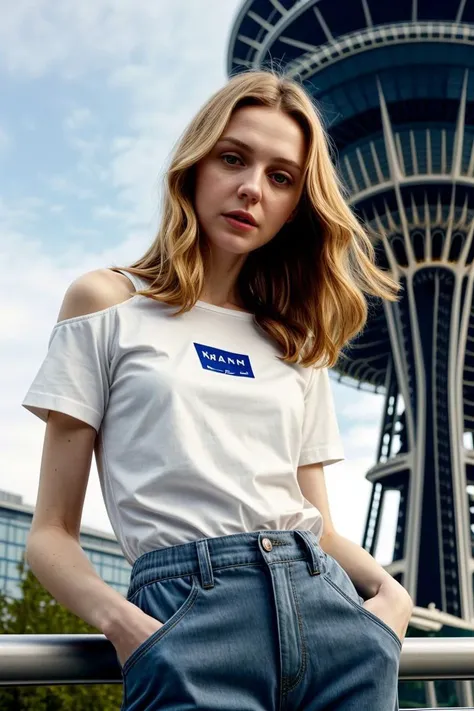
239 224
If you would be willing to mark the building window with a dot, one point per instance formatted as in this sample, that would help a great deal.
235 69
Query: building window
3 531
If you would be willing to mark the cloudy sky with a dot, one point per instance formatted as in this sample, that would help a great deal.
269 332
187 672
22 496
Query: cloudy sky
94 95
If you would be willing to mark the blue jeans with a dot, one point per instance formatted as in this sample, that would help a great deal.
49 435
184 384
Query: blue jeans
262 621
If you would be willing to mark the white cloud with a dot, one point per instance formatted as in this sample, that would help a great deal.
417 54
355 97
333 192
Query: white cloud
78 118
65 185
21 211
107 212
361 407
74 39
361 437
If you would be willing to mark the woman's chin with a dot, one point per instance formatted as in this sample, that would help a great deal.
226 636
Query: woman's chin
232 244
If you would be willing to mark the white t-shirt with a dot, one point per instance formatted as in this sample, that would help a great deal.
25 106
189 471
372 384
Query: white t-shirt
201 428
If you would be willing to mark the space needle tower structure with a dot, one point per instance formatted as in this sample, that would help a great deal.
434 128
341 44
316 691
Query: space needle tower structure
395 84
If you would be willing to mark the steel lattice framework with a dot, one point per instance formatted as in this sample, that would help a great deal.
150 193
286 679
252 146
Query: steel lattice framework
395 84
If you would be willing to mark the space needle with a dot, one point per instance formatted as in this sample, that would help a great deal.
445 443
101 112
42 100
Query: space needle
395 84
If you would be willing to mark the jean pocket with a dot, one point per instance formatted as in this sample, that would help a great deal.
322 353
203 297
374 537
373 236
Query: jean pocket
383 625
340 581
168 601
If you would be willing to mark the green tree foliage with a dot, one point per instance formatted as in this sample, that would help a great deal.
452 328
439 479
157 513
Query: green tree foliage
36 612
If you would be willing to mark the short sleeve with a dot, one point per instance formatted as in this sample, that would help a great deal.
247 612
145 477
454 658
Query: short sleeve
74 376
322 441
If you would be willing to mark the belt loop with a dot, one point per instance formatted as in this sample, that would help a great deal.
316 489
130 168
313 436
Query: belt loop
313 562
205 566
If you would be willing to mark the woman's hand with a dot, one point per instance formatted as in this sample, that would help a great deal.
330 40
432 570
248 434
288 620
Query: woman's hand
393 605
129 632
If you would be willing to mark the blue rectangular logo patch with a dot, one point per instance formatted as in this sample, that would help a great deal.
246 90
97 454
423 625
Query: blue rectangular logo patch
224 362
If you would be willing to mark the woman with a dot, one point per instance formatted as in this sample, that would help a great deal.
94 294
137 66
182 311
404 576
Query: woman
199 377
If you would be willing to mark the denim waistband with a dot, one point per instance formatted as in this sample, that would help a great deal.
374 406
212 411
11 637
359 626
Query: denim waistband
203 556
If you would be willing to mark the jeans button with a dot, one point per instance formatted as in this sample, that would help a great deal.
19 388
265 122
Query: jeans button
267 544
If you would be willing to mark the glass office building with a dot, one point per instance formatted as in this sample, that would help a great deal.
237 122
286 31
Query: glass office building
101 548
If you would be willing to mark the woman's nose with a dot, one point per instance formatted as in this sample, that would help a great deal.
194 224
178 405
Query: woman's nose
251 188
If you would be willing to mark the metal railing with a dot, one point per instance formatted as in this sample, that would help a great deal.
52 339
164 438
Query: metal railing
36 660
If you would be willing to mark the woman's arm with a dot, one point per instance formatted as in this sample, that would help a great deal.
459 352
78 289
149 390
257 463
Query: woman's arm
383 594
53 548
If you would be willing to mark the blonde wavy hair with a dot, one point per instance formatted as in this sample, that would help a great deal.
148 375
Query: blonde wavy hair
307 287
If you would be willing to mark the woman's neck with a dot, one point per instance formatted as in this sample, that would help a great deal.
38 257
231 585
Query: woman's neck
220 281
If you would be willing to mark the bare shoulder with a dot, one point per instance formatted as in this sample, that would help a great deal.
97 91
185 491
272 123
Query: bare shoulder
94 291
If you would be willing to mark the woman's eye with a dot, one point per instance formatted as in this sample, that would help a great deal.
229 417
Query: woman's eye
231 159
281 179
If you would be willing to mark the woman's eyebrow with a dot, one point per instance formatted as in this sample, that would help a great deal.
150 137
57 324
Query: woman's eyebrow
249 149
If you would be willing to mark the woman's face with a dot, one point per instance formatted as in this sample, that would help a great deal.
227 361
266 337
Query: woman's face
250 184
